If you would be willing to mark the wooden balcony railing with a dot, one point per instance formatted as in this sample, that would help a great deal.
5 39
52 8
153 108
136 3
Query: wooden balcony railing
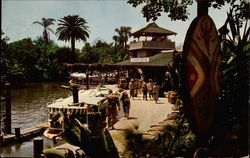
152 45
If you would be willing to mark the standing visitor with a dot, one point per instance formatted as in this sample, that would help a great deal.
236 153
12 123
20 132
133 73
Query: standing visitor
144 90
168 85
111 111
126 103
132 88
156 92
135 88
150 89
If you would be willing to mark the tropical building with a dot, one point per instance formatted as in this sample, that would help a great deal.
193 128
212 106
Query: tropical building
154 40
151 52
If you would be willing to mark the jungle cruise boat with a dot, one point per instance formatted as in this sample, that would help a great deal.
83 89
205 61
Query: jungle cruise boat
80 79
64 109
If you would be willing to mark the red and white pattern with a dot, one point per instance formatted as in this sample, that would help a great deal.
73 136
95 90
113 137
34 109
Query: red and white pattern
202 66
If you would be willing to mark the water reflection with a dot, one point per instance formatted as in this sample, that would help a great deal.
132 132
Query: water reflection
29 104
18 147
29 109
24 149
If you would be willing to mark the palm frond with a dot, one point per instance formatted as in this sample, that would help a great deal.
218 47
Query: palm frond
37 22
51 30
231 24
45 23
246 34
72 27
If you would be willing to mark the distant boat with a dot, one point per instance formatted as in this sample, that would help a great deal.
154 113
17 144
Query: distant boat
81 79
57 111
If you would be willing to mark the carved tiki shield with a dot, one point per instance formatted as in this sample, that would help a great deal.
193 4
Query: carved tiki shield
201 72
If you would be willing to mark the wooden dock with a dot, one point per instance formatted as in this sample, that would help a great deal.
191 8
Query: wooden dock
22 135
2 98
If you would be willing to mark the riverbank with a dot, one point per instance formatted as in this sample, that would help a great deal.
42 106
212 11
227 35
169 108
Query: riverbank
29 110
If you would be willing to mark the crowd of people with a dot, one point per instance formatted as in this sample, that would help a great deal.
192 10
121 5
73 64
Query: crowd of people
149 89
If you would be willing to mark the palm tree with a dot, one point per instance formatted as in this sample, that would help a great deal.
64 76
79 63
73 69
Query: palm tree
126 32
45 23
72 28
122 38
116 39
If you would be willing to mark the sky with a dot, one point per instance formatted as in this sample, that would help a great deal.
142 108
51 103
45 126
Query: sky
102 16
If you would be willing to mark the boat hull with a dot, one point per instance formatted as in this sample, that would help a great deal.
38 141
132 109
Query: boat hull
52 139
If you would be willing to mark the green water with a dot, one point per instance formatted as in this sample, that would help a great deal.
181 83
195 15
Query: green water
29 109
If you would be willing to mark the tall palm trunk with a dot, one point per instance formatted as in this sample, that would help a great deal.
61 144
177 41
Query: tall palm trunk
72 45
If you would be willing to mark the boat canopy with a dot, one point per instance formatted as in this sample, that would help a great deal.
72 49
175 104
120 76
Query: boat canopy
82 75
78 75
89 97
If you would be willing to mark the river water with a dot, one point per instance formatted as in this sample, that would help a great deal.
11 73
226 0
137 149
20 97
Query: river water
29 109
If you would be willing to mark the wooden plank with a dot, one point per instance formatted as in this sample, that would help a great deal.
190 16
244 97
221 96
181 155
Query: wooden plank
2 98
25 134
8 136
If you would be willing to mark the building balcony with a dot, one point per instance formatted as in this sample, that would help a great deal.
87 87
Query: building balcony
160 45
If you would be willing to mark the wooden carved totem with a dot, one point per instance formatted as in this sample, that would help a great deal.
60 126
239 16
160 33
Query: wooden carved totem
201 72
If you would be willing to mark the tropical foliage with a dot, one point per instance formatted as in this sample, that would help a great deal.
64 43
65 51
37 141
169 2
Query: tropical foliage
236 53
43 44
101 52
233 115
45 23
72 28
172 140
25 57
94 144
121 41
4 47
176 9
41 60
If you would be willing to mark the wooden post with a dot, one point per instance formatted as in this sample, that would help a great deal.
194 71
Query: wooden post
202 7
8 109
37 147
87 78
17 134
1 139
75 95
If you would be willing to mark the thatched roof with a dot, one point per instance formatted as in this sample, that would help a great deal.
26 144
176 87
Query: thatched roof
153 29
93 65
160 60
